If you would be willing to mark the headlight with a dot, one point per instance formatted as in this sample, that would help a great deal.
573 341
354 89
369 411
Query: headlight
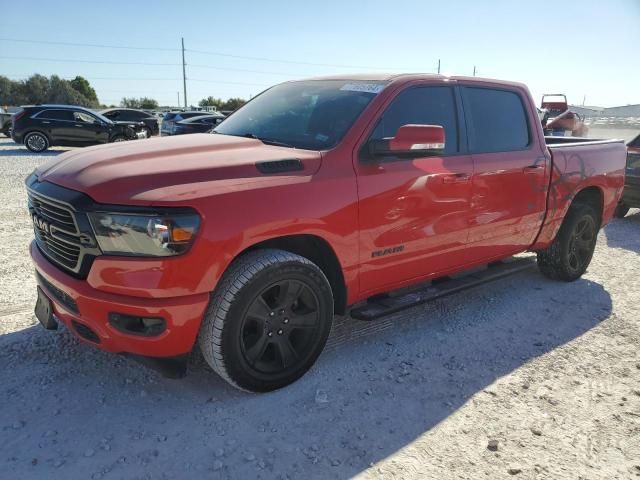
144 235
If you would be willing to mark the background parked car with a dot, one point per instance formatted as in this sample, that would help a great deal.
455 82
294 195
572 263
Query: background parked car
199 124
170 119
133 115
42 126
631 194
5 122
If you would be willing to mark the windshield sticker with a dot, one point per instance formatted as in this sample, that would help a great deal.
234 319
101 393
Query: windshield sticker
363 87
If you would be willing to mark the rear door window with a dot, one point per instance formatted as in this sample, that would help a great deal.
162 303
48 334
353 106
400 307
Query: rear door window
421 106
133 116
66 115
496 120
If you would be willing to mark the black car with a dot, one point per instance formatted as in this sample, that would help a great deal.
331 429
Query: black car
133 115
170 118
42 126
631 193
199 124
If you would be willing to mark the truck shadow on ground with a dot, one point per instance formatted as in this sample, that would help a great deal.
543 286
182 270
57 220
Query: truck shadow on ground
376 389
625 233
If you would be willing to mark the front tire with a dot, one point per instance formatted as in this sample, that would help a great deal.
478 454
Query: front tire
119 138
36 142
570 253
268 320
621 210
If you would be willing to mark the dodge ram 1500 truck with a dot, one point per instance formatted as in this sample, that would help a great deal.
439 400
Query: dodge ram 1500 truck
314 196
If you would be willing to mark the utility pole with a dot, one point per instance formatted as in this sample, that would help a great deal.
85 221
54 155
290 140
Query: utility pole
178 99
474 70
184 76
438 65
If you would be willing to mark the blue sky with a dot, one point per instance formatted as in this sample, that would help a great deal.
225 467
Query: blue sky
579 47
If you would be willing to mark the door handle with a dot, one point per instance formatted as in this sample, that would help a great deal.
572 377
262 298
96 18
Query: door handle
533 168
78 125
44 121
456 178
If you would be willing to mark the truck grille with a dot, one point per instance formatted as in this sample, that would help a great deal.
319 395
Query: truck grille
56 231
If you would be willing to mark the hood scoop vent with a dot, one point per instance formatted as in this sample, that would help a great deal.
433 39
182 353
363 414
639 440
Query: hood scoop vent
280 166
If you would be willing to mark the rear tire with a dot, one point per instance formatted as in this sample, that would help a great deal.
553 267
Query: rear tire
621 210
570 253
36 142
268 320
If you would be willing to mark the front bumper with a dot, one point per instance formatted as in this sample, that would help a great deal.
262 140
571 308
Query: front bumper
80 307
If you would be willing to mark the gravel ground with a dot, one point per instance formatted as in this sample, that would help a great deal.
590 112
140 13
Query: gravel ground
522 378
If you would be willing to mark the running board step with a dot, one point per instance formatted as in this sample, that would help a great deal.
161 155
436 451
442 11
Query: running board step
382 305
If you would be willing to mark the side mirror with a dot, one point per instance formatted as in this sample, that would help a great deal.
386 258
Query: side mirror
411 141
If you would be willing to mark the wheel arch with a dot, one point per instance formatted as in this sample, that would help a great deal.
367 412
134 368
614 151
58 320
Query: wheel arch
592 196
317 250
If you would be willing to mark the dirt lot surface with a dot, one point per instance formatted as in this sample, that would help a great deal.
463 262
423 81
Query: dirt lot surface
523 378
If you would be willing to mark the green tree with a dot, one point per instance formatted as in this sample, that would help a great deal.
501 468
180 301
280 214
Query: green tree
35 89
82 85
142 102
148 103
61 91
233 104
40 89
9 93
130 102
211 102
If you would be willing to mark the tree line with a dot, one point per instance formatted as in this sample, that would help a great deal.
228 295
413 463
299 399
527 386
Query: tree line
53 89
230 104
40 89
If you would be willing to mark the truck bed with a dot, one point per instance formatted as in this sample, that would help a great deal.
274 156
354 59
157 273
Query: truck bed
578 163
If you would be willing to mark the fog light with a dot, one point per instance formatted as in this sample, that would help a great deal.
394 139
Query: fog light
145 326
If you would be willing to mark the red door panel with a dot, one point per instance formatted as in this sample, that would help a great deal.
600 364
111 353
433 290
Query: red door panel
507 204
413 218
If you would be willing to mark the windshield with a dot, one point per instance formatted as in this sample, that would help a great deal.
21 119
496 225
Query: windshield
313 114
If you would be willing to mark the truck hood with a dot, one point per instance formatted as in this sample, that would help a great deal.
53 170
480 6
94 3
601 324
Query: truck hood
173 170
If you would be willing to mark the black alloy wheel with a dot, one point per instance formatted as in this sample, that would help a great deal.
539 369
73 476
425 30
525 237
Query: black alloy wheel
581 244
279 326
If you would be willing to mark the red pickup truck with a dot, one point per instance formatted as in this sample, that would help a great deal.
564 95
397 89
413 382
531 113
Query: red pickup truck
314 196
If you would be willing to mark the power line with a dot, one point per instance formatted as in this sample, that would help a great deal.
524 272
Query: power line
249 84
105 62
244 70
292 62
204 52
66 60
95 45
